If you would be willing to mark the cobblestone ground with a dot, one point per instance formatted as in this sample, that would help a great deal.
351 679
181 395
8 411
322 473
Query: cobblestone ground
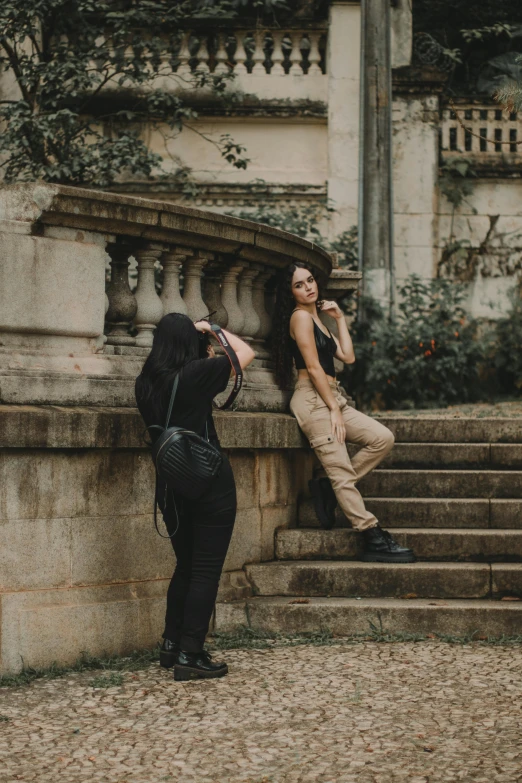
347 713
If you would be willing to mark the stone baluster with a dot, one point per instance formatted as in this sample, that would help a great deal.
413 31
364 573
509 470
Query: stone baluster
259 56
171 298
221 56
212 294
278 56
193 270
258 299
122 302
314 55
240 55
251 323
296 56
150 308
236 319
203 55
183 57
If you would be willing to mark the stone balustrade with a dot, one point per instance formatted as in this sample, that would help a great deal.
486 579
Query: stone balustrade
65 339
482 132
260 52
262 62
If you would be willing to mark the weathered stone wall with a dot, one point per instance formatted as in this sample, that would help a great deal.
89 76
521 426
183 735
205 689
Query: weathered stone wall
81 566
488 227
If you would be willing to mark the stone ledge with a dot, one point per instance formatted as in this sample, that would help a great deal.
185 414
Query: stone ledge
53 427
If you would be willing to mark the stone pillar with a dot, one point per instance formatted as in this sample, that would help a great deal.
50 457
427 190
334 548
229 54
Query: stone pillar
251 323
212 294
296 57
194 265
265 321
278 56
150 307
343 114
172 262
122 302
236 319
258 299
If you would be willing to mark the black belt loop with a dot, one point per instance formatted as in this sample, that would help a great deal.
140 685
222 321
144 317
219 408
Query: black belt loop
234 361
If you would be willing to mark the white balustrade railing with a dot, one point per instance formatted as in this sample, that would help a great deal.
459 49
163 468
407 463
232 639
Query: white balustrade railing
481 131
259 52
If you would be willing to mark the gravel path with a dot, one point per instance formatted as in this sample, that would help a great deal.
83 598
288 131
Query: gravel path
346 713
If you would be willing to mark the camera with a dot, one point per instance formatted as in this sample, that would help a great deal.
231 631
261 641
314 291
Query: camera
204 342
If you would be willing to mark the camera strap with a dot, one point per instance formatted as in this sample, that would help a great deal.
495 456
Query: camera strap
234 361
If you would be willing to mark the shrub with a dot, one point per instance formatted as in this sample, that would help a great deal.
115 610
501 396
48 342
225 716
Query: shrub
426 356
505 351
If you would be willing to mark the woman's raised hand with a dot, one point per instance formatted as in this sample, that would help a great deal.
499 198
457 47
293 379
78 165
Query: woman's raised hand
332 308
203 326
338 425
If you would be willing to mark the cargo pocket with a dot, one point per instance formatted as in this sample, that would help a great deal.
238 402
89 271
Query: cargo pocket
321 440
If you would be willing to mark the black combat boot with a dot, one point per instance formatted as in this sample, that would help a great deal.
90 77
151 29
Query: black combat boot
379 547
197 666
167 652
325 501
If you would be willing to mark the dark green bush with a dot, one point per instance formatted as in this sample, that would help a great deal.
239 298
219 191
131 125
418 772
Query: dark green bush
506 349
426 356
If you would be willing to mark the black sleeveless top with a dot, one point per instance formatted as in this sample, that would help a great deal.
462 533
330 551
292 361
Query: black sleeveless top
326 349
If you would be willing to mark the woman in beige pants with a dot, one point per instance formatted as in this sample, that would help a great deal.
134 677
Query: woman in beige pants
322 412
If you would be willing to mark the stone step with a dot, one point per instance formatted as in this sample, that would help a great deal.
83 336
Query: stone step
430 544
348 616
442 483
433 429
373 580
452 513
507 456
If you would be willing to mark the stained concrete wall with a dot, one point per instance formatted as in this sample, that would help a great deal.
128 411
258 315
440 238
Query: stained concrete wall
81 566
490 223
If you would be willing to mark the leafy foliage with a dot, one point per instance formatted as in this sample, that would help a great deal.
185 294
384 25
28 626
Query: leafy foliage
505 354
455 180
85 79
306 222
427 356
473 35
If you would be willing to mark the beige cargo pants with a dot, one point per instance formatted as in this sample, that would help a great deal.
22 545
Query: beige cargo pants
313 416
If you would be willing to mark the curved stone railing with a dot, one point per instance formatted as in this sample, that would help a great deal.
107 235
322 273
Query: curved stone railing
68 339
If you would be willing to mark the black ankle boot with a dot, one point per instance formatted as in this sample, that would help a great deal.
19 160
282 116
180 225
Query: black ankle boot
167 652
379 547
325 501
197 666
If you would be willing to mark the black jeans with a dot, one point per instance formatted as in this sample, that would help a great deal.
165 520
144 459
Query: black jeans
200 545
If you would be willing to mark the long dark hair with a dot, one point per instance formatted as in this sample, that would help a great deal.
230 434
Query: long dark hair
175 344
284 305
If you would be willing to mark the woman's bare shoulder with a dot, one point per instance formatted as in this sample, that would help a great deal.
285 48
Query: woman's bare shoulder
301 317
301 323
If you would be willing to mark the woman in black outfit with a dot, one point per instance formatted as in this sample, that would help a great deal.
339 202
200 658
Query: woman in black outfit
200 530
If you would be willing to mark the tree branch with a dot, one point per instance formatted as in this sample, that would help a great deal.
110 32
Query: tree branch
15 65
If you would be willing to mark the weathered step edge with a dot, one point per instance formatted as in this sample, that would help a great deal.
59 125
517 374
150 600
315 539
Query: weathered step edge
431 544
351 579
455 513
347 617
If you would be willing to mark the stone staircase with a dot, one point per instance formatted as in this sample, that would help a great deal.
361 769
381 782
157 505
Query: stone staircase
452 490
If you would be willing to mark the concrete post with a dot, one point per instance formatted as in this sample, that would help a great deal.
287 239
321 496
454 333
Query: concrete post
122 302
376 221
246 305
196 307
170 296
150 307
